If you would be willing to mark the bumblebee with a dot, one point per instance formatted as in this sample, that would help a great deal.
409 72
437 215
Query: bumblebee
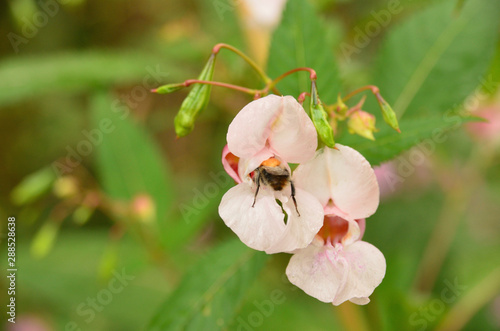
272 173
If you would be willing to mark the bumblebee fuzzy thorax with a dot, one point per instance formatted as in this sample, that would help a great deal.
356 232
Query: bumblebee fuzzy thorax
276 177
273 173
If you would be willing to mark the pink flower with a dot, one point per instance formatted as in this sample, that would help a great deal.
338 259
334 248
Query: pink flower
338 266
270 131
489 131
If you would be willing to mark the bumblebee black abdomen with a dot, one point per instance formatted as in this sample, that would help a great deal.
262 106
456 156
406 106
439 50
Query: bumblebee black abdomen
277 182
270 173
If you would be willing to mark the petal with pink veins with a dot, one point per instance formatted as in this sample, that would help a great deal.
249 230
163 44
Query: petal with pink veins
319 270
336 273
366 271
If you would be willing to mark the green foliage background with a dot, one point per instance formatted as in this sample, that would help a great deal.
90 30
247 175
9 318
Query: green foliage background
91 66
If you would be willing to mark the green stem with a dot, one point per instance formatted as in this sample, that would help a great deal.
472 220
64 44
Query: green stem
472 302
440 241
248 60
453 209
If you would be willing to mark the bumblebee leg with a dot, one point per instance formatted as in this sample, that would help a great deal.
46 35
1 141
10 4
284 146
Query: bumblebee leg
257 180
293 197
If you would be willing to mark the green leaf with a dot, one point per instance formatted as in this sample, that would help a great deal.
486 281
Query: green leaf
436 58
429 131
75 259
29 77
303 40
210 293
33 186
193 213
426 68
128 161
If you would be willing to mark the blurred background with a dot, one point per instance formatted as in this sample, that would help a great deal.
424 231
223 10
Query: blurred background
112 210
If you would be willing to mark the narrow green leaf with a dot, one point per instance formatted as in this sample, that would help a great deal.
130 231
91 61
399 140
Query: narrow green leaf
436 58
128 161
211 292
29 77
303 40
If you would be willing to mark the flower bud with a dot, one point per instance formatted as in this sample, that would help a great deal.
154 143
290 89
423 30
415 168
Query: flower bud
33 186
65 187
169 88
320 118
44 240
143 208
388 114
195 102
363 124
82 214
341 108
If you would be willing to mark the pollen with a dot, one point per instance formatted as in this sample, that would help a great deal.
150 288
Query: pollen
271 162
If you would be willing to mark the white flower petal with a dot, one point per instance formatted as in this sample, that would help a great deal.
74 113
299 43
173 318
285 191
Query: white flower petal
246 166
360 301
344 176
300 230
353 233
258 227
293 135
366 271
337 274
248 132
318 270
263 13
275 125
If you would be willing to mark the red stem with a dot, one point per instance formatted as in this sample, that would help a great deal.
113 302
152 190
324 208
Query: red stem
302 97
231 86
375 90
312 75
